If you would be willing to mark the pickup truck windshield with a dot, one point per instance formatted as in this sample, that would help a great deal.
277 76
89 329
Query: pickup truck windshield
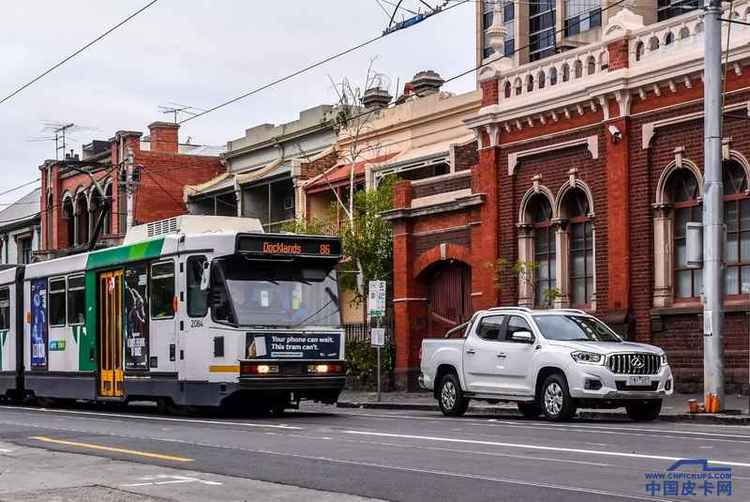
574 328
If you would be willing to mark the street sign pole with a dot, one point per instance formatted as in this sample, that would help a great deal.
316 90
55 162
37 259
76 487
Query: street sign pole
713 213
375 315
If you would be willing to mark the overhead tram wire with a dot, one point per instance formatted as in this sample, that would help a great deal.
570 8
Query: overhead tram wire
76 53
306 69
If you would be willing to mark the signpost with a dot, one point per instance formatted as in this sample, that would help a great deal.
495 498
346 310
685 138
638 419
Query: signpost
375 317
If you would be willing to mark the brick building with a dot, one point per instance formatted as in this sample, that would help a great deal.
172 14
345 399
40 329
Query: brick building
590 163
156 167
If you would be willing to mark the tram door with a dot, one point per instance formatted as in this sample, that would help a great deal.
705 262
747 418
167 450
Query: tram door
110 333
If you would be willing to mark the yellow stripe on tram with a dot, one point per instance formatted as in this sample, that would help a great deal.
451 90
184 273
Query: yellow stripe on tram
146 454
224 369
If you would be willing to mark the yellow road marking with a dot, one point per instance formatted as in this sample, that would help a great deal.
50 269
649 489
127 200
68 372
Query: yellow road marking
137 453
224 369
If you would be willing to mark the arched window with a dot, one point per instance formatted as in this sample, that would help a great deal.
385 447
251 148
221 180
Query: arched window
507 89
737 221
581 247
67 239
539 213
530 83
107 226
553 76
578 68
49 235
682 191
82 219
566 72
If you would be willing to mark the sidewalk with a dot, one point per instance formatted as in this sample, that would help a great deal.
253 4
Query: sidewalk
674 409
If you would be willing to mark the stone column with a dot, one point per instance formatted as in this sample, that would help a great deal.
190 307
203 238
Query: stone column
663 259
562 263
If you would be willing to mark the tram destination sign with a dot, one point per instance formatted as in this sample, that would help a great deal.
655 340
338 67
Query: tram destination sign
292 245
293 346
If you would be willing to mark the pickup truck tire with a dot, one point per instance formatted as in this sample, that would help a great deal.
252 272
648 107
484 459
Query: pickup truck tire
644 411
451 397
555 400
529 410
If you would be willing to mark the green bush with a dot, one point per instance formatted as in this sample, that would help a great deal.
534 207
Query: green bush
362 365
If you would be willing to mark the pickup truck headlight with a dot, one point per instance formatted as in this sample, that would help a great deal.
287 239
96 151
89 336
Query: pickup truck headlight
664 361
587 357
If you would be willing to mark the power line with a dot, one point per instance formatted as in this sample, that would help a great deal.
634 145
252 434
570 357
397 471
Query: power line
22 185
304 69
65 60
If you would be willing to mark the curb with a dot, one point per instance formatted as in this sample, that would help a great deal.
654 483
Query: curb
586 415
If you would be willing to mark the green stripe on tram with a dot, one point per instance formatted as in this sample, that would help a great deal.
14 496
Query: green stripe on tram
107 258
124 254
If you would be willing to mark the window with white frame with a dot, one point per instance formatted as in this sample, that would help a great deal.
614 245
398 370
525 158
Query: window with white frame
737 221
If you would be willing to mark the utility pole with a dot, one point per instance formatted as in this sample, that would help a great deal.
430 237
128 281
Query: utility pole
713 213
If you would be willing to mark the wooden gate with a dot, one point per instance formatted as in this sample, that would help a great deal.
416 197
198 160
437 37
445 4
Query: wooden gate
110 333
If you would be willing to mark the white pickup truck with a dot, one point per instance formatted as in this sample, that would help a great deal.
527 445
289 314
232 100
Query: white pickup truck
548 361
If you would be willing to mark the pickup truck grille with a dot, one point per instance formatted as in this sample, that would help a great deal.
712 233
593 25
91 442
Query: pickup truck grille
636 363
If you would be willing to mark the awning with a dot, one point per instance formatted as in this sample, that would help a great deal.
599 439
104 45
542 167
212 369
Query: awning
227 181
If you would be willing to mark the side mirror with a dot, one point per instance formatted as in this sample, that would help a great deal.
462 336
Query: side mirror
206 275
522 337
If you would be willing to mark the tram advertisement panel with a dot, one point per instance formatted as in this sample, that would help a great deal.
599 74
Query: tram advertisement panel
293 346
39 323
136 317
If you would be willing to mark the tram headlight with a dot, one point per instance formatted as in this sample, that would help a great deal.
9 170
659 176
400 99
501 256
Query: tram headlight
260 369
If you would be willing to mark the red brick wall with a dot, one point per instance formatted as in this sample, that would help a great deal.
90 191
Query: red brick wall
317 166
618 55
163 178
466 156
489 92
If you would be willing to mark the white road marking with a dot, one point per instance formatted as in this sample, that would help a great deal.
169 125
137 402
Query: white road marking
583 427
467 476
169 480
537 447
5 451
164 419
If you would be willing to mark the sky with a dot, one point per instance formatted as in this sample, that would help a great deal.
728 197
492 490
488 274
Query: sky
198 53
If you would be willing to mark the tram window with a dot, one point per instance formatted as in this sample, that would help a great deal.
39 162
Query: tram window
57 302
197 299
162 290
76 300
4 308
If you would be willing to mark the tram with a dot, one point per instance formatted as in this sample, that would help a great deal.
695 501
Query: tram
190 311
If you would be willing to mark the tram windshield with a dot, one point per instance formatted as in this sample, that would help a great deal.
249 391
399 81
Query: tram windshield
276 293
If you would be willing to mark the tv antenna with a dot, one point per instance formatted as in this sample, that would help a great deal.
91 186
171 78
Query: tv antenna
175 109
60 133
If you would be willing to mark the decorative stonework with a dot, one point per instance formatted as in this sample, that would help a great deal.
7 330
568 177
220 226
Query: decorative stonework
591 143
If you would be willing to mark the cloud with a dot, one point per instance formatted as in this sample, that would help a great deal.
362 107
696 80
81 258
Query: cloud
198 52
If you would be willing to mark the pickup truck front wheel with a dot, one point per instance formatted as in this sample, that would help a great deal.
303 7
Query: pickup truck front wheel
451 397
555 399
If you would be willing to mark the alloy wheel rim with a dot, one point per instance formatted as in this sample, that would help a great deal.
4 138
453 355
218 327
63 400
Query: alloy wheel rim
448 395
553 398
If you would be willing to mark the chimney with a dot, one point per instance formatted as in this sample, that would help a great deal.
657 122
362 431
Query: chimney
376 98
426 83
163 137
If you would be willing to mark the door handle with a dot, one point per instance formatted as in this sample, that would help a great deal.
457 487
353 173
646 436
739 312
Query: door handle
471 351
501 355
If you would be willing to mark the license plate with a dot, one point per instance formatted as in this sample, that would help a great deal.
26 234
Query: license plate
639 380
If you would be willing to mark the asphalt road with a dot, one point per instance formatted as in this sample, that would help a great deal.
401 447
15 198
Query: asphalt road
419 456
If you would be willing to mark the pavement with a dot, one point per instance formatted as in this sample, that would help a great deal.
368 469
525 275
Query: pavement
675 407
329 453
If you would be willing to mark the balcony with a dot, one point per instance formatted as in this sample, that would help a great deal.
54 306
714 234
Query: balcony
660 55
